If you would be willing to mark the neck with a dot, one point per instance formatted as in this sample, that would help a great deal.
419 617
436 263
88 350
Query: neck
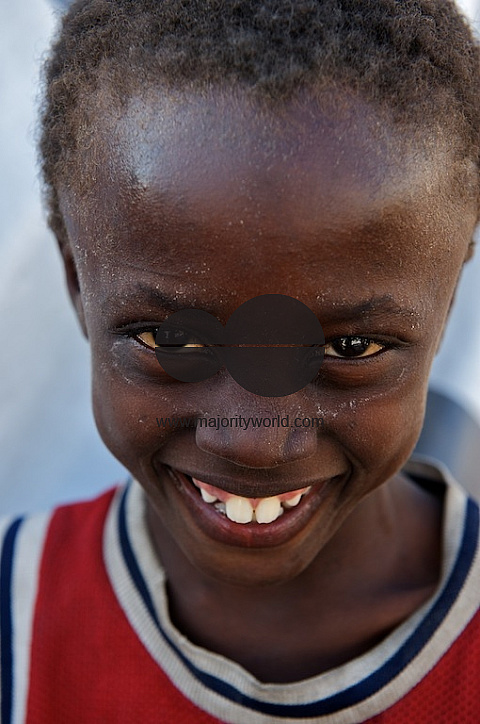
380 566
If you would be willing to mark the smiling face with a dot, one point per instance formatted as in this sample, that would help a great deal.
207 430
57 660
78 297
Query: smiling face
206 203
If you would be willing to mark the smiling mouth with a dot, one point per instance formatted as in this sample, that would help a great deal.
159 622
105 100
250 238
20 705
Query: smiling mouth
238 520
243 510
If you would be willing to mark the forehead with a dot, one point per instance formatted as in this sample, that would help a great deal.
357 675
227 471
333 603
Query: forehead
206 144
229 146
181 177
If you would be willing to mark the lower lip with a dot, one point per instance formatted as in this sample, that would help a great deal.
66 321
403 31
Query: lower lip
249 535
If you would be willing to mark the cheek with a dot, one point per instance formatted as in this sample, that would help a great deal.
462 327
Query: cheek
125 413
381 431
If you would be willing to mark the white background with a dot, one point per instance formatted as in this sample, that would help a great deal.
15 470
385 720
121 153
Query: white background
49 448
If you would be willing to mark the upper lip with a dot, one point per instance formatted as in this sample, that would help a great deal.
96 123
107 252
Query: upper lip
248 489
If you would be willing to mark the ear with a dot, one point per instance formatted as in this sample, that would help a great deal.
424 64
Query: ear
73 285
468 255
470 251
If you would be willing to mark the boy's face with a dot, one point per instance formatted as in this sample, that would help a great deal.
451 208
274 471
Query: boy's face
208 202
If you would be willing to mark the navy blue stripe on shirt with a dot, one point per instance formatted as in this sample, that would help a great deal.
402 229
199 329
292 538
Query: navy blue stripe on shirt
6 629
142 588
131 561
363 689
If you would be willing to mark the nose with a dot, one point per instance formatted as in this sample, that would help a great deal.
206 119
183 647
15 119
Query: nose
259 432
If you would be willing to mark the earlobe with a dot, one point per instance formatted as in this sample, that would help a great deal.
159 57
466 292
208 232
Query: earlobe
73 285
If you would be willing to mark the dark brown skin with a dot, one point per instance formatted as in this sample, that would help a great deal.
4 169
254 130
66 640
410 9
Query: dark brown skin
213 201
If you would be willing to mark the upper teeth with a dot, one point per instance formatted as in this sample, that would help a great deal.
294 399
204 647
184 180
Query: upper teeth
268 510
292 502
241 510
207 497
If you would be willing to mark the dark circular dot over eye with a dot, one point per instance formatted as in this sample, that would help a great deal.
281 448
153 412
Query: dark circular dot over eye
186 343
269 343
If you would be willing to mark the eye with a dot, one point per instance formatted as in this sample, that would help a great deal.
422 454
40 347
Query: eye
147 338
353 347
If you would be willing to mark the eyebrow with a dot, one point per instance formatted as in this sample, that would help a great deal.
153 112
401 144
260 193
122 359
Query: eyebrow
374 307
159 298
384 306
166 301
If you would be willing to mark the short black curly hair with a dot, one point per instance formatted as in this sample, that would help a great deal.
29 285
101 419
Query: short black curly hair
417 59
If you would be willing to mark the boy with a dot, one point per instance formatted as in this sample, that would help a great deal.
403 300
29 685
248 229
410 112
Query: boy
199 156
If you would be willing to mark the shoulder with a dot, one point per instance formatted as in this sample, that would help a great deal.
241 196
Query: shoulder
24 539
32 545
38 554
